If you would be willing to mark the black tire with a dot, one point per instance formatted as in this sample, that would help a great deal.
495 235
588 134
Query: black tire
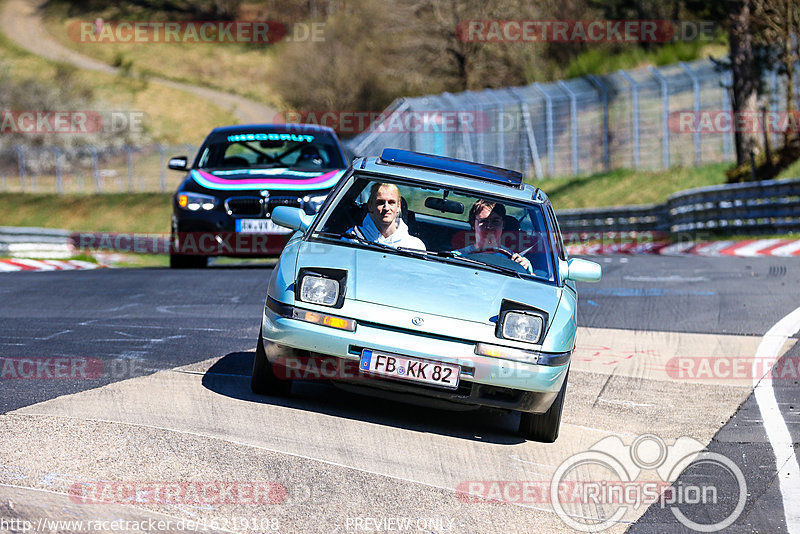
544 426
181 261
263 381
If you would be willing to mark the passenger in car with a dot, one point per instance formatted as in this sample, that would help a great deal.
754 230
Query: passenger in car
487 220
383 223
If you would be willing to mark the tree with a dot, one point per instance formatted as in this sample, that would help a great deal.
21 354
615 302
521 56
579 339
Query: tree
745 79
776 24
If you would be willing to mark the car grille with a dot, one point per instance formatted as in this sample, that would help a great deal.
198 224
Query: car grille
274 202
244 206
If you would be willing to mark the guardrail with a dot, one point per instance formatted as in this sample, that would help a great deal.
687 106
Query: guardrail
770 206
37 242
767 207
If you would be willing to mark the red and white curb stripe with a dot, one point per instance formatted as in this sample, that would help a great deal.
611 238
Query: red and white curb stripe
22 264
750 248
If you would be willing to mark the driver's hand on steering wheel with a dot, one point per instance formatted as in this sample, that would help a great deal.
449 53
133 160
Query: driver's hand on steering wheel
522 260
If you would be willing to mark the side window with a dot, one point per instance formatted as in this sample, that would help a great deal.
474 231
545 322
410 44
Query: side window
558 241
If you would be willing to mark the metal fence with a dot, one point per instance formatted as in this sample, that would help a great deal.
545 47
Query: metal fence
592 124
766 207
89 169
627 119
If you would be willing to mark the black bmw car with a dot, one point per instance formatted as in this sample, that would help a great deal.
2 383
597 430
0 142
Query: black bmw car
223 206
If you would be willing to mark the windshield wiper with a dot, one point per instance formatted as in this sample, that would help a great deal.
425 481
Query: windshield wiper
458 257
355 237
418 253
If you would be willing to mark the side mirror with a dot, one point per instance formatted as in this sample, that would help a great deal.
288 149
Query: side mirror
294 218
179 163
583 270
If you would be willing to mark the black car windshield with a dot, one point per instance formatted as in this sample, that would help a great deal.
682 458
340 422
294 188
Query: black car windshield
434 223
312 151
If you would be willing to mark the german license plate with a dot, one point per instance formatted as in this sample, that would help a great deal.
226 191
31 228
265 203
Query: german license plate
412 369
260 226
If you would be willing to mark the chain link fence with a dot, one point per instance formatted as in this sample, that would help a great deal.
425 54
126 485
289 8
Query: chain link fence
628 119
89 169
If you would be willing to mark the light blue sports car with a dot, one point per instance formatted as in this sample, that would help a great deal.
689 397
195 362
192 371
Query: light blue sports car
428 277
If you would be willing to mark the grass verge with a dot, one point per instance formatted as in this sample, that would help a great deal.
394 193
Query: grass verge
626 186
238 68
118 212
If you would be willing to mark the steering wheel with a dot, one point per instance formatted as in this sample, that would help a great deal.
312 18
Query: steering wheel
507 253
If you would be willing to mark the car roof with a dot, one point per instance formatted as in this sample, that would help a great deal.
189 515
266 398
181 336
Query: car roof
458 174
278 128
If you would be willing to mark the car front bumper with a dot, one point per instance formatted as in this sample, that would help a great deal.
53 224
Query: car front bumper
214 234
484 380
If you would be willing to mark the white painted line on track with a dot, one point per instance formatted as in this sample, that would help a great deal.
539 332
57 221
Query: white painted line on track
774 424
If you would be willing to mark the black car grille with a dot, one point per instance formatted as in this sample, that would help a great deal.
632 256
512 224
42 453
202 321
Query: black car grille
244 206
274 202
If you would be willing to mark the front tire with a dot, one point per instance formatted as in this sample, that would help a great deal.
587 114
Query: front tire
263 380
544 427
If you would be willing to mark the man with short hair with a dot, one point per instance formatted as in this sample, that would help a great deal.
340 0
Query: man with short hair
383 223
487 220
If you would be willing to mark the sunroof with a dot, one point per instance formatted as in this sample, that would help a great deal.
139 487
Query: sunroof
478 171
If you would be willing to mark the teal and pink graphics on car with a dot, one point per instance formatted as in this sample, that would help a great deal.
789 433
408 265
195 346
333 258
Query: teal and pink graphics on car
277 179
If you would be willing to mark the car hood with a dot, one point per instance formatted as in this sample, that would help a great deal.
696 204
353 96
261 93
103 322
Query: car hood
431 287
280 179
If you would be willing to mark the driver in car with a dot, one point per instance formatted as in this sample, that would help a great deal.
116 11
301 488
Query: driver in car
487 220
383 223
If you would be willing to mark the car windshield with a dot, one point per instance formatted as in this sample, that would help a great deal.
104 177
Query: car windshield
271 150
440 224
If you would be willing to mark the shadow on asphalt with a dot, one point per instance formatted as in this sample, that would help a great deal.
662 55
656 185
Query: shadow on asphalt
230 376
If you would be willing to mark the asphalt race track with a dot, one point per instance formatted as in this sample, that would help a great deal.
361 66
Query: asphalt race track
141 381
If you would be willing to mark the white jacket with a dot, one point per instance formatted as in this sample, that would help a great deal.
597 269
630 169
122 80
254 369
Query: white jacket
399 238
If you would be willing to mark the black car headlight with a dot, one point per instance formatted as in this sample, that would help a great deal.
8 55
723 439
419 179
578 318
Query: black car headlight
196 201
524 326
324 287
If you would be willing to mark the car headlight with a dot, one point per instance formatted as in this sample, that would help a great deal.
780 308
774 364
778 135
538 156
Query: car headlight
313 203
195 201
522 326
319 290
